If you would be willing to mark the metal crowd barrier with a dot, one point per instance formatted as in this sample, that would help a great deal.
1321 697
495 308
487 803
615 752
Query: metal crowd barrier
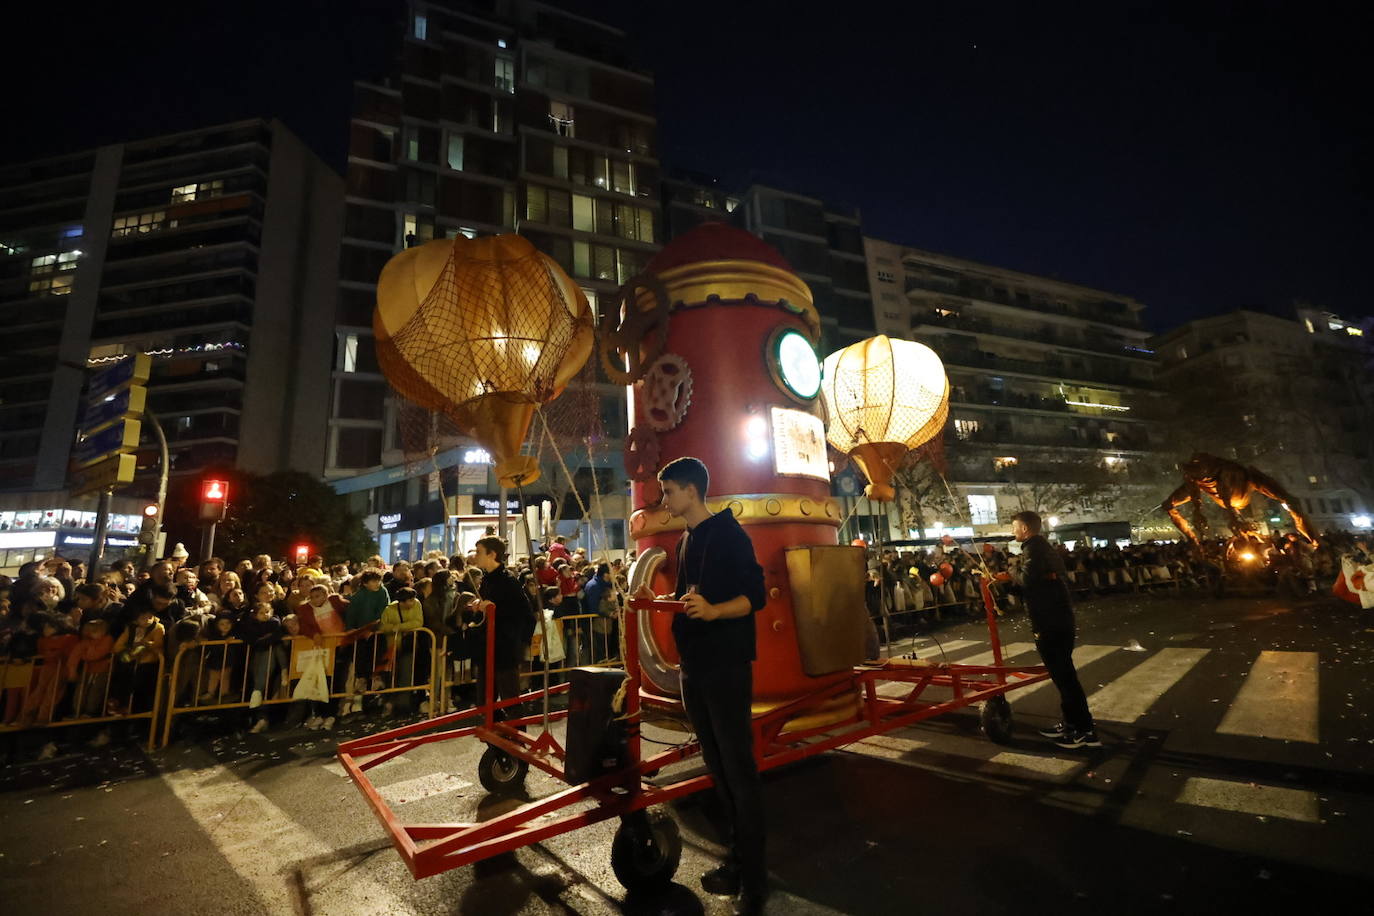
40 699
215 675
588 640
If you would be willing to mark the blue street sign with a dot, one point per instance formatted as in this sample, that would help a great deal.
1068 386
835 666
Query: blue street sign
128 402
118 437
130 371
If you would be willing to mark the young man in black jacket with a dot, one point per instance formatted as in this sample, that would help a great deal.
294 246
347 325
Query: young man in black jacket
721 583
1044 586
514 624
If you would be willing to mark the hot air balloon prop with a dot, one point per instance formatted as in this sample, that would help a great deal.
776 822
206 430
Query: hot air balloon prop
883 397
484 330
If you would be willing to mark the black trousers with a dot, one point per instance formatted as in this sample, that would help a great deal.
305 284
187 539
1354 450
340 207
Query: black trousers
717 702
1056 650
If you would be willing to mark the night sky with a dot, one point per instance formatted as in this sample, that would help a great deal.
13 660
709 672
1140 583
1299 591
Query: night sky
1197 156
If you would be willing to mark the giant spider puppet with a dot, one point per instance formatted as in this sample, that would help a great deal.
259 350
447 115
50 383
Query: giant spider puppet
1230 485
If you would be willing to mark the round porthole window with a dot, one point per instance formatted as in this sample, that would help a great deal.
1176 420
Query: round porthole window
795 364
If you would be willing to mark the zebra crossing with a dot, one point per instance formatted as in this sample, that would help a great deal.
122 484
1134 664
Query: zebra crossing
1277 699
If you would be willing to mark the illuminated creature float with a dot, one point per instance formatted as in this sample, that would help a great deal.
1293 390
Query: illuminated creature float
1229 485
717 342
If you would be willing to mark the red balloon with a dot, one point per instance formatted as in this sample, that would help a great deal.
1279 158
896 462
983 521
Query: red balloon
858 542
946 569
937 580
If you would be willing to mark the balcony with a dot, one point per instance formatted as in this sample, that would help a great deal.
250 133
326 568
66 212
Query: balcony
1003 436
1050 369
968 289
1041 335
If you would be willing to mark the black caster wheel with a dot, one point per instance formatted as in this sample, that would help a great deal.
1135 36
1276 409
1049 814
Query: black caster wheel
646 851
500 773
995 717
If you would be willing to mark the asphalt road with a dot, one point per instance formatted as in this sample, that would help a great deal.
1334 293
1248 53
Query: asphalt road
1235 776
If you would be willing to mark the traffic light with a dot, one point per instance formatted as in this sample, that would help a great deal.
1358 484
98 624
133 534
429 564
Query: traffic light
302 554
147 532
214 500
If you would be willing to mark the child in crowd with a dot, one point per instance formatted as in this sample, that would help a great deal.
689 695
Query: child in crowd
261 633
220 661
49 685
88 666
399 620
137 652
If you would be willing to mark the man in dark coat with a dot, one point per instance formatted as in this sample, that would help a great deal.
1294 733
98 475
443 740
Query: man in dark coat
1044 586
514 623
721 585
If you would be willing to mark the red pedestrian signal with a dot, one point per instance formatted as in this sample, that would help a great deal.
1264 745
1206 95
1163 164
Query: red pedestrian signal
302 554
214 499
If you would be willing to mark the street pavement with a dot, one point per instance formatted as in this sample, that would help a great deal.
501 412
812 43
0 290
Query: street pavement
1235 776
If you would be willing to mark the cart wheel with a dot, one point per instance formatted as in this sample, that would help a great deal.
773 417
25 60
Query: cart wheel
500 773
646 850
995 717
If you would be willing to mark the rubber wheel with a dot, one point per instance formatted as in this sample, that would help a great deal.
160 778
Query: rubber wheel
646 851
995 717
500 773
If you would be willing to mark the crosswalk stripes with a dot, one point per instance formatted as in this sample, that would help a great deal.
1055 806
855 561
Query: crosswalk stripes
1278 700
1083 656
421 787
1130 696
1252 798
259 841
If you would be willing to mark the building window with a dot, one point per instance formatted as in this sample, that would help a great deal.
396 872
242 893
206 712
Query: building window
201 191
140 223
730 204
455 152
583 218
52 286
982 510
348 352
964 429
561 116
536 204
411 142
504 78
622 177
421 26
886 276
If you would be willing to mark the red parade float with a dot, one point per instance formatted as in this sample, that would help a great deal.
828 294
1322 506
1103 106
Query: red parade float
718 343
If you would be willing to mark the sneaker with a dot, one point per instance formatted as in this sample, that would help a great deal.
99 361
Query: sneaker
723 880
1057 730
48 752
255 700
1073 739
314 722
329 723
259 727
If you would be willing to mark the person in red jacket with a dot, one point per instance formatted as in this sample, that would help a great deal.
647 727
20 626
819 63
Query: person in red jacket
49 685
88 666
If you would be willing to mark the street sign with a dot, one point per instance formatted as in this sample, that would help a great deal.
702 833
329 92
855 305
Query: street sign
131 371
128 402
111 472
120 436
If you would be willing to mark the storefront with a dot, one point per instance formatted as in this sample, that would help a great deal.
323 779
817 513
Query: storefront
36 534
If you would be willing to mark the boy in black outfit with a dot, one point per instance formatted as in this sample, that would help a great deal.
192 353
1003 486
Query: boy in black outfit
721 583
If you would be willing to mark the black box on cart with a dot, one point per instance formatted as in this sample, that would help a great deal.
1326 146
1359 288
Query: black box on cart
595 741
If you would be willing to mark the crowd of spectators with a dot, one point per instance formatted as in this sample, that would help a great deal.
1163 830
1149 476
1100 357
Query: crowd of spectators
75 647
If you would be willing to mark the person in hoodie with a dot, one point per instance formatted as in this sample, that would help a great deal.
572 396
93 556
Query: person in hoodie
720 582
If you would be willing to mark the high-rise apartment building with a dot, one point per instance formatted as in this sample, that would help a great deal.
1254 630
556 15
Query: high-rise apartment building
213 250
1053 398
500 116
1293 397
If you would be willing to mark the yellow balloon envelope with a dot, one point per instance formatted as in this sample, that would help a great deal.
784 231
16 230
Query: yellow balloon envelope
884 397
484 330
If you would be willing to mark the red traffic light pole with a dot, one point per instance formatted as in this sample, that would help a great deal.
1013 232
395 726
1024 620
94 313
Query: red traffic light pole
214 500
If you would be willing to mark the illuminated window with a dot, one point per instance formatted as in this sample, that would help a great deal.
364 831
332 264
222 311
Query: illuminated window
730 204
622 177
561 115
1308 323
59 285
411 140
421 26
982 510
183 194
582 259
582 213
43 264
964 429
455 152
140 223
1354 332
201 191
348 352
504 78
1004 462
